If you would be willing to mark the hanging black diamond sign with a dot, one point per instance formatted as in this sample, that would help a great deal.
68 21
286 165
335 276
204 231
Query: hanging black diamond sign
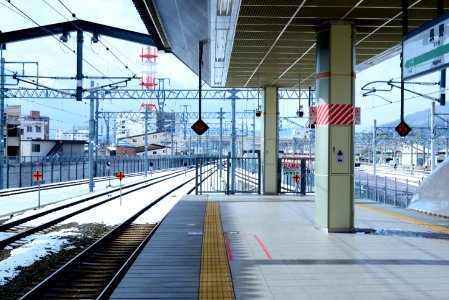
200 127
403 129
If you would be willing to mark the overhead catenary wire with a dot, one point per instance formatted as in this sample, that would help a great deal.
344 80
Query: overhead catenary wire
91 36
407 99
24 15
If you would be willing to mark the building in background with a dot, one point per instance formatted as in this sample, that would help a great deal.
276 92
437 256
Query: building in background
38 150
76 134
19 128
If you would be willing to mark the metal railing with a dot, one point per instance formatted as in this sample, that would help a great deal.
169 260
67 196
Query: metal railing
19 170
394 191
227 175
297 175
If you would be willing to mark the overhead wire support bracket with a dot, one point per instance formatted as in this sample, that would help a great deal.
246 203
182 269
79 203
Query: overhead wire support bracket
392 84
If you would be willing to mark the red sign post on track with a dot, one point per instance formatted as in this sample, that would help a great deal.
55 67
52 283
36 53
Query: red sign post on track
296 177
38 176
120 176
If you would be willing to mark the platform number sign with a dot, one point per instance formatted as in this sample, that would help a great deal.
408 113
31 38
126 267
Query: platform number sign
403 129
200 127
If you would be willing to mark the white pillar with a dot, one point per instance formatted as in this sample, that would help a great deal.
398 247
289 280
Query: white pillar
269 144
334 150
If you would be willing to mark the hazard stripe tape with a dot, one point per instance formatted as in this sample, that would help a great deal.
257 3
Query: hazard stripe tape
335 114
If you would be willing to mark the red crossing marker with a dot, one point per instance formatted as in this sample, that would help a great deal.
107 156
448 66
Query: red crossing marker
37 175
296 177
120 176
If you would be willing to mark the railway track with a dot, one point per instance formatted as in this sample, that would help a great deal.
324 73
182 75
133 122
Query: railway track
19 231
95 272
87 278
50 186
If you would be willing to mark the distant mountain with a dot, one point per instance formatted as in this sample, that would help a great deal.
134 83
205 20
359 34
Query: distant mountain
422 118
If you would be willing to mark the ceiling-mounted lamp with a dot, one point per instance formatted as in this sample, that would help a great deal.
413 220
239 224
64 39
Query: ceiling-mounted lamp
259 107
300 111
95 38
64 37
224 7
220 44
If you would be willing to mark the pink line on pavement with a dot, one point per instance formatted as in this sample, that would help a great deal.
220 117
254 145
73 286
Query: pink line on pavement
263 246
228 247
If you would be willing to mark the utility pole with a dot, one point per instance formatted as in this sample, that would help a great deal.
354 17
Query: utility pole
106 121
91 139
2 116
411 157
161 103
220 142
97 102
243 136
79 65
254 135
432 136
374 148
447 140
233 140
145 147
184 119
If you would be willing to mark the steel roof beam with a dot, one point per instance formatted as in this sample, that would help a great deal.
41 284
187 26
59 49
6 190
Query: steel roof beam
65 27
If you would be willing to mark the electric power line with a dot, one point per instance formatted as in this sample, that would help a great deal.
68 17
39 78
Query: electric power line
91 36
24 15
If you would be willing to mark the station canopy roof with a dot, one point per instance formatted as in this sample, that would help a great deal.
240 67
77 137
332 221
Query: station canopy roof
253 43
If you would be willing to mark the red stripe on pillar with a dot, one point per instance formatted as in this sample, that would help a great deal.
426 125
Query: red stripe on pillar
335 114
322 115
341 114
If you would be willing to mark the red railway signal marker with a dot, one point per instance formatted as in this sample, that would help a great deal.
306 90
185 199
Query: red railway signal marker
120 176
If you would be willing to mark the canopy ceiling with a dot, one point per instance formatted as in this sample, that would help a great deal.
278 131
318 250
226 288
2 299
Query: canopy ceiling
272 42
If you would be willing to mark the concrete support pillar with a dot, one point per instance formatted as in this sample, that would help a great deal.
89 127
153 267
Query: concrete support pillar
334 168
269 145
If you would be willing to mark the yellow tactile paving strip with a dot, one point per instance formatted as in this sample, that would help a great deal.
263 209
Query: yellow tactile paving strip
215 278
406 219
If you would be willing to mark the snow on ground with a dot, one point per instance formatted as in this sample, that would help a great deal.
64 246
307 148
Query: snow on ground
29 253
110 213
16 203
389 172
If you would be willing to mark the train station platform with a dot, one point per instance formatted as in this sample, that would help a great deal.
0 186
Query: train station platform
266 247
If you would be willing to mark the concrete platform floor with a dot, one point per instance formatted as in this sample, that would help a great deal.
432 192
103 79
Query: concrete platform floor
275 252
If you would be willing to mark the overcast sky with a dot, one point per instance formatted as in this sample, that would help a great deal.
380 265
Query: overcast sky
57 60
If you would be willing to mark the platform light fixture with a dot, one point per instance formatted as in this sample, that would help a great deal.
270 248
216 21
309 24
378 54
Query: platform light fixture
220 44
64 37
95 38
223 16
224 7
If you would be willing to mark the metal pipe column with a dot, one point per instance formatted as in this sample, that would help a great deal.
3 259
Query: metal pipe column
145 147
91 139
254 135
374 149
220 142
2 117
432 136
79 65
233 142
97 103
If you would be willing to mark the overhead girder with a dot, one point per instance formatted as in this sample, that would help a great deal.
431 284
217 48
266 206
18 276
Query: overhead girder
113 94
65 27
180 115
